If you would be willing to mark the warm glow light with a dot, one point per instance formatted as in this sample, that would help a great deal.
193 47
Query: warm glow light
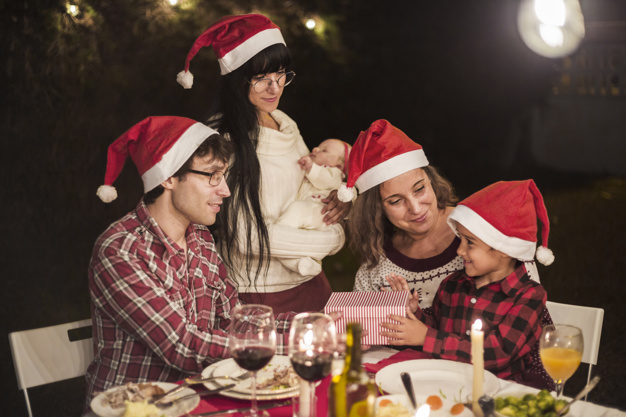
550 12
72 9
551 35
551 28
310 24
478 325
423 411
173 2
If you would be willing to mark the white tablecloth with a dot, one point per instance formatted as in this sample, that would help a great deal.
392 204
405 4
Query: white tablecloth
579 409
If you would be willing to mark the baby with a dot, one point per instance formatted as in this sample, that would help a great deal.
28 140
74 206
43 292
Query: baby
325 169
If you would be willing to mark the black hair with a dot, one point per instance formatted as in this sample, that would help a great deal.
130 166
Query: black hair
237 118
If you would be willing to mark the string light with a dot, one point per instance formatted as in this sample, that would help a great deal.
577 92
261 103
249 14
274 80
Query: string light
310 24
72 9
173 2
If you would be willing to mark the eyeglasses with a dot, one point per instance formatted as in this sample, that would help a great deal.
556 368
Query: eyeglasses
215 178
263 84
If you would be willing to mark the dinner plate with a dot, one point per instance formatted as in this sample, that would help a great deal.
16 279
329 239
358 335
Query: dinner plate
242 390
449 379
177 409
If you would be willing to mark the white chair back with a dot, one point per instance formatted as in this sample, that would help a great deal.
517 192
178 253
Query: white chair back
46 355
588 319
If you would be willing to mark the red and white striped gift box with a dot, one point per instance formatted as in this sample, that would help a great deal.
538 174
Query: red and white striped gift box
368 308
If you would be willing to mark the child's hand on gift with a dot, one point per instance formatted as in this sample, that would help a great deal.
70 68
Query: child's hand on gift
398 283
410 331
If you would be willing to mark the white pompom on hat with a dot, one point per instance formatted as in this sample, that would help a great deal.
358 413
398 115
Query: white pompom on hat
235 39
158 145
380 153
504 216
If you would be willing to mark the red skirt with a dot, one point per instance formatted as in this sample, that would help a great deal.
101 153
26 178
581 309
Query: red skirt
310 296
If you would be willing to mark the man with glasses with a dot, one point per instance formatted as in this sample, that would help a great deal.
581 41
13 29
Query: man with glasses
159 293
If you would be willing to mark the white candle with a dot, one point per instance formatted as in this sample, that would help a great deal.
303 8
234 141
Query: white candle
477 336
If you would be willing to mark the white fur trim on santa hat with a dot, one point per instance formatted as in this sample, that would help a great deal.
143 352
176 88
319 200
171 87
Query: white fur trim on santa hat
545 255
522 250
185 78
176 156
107 193
391 168
345 194
249 48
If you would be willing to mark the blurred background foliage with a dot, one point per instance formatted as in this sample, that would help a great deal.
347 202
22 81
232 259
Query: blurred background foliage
452 74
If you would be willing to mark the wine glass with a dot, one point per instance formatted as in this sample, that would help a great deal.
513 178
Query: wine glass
561 350
252 342
312 345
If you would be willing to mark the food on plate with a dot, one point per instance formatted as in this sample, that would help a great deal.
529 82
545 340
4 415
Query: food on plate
542 404
141 409
387 408
457 409
131 392
280 378
435 402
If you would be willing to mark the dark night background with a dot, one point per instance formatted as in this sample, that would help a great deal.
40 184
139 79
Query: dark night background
454 75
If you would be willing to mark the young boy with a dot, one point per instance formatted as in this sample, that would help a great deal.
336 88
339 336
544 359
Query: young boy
497 227
325 169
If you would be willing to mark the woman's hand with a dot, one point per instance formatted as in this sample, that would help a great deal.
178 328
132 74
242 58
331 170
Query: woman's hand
410 331
334 210
398 283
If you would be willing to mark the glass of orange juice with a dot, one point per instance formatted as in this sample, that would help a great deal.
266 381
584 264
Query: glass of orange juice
561 350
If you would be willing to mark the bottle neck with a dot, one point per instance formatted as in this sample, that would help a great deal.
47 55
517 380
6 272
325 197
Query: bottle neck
353 347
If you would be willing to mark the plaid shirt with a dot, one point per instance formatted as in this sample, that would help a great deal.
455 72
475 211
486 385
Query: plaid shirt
155 316
510 310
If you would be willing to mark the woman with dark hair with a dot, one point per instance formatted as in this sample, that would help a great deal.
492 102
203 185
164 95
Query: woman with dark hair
264 176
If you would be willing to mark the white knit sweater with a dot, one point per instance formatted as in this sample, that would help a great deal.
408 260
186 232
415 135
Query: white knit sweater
281 177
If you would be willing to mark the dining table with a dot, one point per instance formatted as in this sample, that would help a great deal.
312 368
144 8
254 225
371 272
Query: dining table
375 359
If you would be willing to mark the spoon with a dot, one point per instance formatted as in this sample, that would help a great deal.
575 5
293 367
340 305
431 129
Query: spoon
591 385
408 386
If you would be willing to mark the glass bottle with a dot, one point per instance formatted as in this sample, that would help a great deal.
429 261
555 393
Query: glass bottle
352 393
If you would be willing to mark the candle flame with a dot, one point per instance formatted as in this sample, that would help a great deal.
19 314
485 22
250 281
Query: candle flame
478 325
423 411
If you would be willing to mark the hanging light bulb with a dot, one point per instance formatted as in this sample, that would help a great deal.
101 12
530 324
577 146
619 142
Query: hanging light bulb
551 28
310 24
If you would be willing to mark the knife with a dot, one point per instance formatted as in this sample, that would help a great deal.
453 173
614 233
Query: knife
244 409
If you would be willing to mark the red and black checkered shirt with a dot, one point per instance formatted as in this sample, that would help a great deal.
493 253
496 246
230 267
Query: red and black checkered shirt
510 310
155 316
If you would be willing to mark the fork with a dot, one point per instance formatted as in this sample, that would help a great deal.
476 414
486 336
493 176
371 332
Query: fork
168 404
199 379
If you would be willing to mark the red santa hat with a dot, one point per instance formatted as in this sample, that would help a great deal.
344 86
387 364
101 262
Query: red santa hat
235 39
380 153
159 146
504 216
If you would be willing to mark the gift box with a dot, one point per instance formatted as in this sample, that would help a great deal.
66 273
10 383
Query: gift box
368 308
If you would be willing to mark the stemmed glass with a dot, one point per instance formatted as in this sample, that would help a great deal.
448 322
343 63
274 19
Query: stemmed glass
312 346
252 342
561 350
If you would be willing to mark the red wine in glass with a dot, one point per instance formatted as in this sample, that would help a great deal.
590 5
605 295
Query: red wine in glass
312 368
253 358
